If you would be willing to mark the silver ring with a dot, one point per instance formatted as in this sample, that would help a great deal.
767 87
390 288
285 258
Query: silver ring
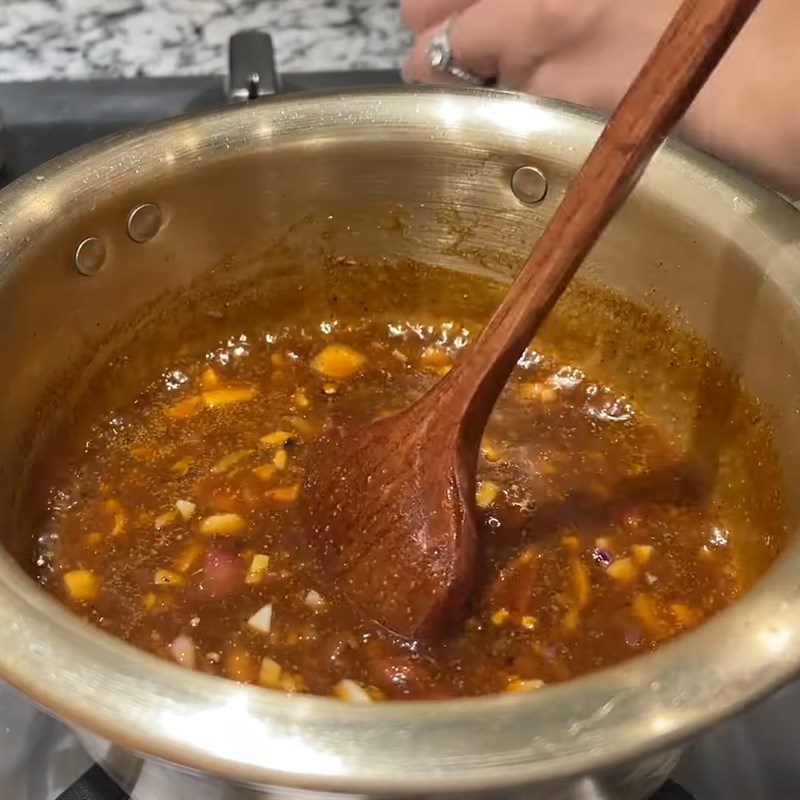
439 53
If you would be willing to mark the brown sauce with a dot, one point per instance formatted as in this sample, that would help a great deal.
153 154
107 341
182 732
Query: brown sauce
176 527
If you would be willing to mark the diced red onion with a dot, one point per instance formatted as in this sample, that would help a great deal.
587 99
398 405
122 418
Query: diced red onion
633 636
603 556
222 573
182 649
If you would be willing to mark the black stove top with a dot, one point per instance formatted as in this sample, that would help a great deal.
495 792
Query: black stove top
747 759
96 785
46 118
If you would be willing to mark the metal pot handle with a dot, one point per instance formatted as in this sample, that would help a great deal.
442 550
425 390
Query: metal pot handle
251 67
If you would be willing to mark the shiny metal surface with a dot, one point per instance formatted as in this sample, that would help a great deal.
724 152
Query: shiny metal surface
695 237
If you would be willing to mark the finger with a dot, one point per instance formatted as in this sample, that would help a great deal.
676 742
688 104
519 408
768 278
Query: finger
476 48
419 15
502 39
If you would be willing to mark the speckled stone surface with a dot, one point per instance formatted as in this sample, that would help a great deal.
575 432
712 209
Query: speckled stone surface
74 39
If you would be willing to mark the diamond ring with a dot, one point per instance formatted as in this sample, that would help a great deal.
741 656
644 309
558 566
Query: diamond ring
439 53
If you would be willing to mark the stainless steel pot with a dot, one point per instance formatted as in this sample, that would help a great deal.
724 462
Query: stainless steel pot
390 173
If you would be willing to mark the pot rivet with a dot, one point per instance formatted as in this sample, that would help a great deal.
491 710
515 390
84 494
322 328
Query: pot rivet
89 256
529 185
144 222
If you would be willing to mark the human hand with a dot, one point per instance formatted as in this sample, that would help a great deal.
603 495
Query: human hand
589 51
583 51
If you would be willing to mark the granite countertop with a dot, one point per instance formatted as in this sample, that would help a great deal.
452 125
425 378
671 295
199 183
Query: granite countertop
74 39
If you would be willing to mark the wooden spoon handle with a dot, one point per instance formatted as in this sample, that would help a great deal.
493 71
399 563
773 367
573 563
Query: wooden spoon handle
690 48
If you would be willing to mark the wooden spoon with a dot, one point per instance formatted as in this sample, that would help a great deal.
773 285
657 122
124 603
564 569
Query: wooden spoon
392 506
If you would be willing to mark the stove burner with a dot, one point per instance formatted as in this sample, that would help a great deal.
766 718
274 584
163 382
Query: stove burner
94 784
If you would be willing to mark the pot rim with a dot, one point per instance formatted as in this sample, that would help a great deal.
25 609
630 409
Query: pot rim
248 734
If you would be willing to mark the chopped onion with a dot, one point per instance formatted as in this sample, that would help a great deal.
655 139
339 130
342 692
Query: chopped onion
182 649
185 508
313 599
262 619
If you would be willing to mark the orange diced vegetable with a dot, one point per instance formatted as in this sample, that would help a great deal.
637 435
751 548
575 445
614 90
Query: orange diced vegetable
181 467
604 543
686 616
486 493
302 425
240 665
156 602
338 361
226 462
223 525
187 407
224 500
258 568
189 557
114 507
641 553
165 520
225 397
351 692
570 542
581 582
280 459
82 585
269 675
436 357
536 391
646 611
499 616
300 399
265 471
490 451
277 438
93 539
149 601
209 379
571 618
520 685
166 577
623 569
528 622
284 494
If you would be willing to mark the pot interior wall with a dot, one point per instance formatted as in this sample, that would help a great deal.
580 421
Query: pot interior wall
263 207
